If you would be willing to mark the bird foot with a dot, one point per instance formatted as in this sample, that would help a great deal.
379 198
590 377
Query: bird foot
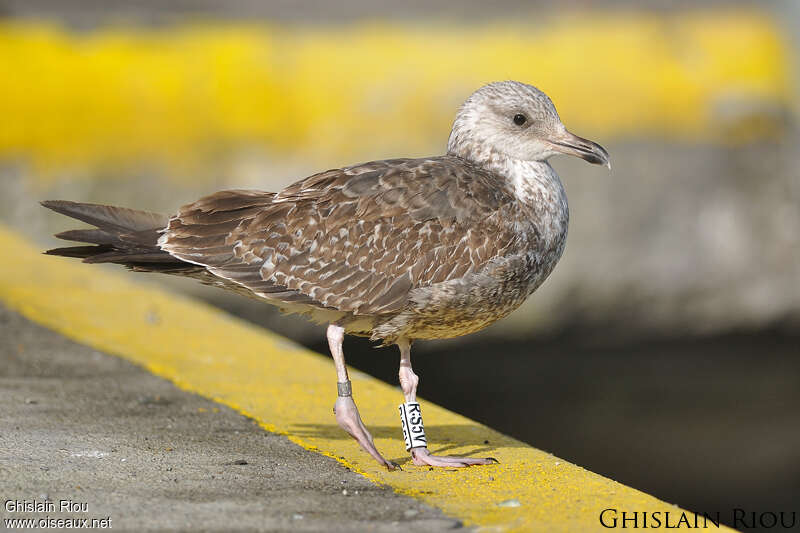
349 420
422 457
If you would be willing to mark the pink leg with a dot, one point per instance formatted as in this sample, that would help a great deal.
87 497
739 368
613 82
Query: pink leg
421 456
345 408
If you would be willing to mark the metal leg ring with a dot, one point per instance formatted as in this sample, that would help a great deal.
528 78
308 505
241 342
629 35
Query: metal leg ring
345 389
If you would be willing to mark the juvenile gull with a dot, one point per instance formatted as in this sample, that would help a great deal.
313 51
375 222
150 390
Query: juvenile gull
393 250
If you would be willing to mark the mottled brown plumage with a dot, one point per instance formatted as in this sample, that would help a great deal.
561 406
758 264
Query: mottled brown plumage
395 250
362 243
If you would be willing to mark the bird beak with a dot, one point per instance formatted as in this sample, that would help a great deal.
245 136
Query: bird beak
570 144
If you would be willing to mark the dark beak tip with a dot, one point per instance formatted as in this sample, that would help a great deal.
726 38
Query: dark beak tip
601 156
589 151
596 159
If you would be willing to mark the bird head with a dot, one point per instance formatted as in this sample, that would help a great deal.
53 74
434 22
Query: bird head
516 120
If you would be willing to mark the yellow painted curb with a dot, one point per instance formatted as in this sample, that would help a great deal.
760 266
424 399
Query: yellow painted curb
290 390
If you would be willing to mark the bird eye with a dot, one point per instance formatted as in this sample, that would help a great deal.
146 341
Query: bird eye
519 119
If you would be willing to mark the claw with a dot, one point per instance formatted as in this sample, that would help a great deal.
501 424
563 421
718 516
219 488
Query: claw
391 466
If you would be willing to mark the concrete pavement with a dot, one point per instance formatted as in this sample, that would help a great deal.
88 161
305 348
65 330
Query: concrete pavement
81 425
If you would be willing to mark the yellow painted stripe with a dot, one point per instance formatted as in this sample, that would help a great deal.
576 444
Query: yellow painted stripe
195 91
290 390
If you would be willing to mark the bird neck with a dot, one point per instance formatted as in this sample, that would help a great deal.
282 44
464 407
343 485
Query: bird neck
535 183
537 188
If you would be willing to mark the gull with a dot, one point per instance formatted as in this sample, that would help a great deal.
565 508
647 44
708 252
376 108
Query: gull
394 250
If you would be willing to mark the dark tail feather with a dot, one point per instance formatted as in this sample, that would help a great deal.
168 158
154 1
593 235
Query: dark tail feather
122 236
92 236
109 217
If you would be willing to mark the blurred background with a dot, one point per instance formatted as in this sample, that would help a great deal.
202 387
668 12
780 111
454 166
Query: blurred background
664 350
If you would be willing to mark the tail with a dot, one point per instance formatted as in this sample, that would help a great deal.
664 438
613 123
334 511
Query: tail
122 236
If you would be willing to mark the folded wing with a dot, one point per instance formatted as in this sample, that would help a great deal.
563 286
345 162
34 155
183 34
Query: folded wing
357 240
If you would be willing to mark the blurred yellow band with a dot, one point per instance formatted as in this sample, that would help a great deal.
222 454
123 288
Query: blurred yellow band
290 390
197 90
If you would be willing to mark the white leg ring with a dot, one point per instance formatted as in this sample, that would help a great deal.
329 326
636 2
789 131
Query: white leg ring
413 429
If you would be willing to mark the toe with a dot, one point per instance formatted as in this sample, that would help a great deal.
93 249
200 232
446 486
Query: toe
349 419
422 457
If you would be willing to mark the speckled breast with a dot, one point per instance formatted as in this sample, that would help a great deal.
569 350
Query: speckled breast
467 305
